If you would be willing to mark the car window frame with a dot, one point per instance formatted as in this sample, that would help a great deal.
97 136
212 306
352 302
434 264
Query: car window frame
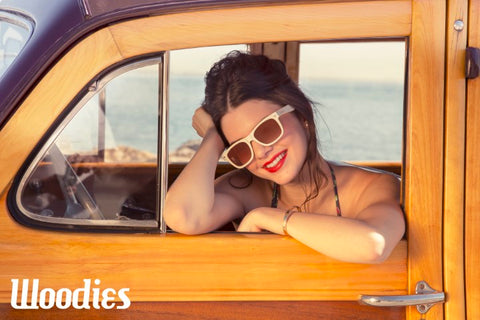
17 19
94 86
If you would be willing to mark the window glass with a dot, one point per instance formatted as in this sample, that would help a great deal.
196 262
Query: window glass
186 92
14 34
101 168
359 91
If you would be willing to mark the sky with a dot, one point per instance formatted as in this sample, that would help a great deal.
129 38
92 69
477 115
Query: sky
369 61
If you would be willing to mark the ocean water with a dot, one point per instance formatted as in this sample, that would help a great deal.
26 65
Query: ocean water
355 120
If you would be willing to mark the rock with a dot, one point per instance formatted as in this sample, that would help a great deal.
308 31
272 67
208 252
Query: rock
185 152
128 154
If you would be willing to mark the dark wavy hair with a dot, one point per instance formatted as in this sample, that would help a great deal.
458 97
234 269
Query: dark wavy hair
240 77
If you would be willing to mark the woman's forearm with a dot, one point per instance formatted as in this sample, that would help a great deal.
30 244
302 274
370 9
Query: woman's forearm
341 238
337 237
191 196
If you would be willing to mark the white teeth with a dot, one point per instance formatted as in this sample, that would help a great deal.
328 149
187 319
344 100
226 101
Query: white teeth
276 161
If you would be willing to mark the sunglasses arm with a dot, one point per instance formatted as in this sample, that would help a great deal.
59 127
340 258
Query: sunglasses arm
285 109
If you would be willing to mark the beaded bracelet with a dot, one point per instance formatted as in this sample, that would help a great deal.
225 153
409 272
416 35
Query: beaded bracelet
287 216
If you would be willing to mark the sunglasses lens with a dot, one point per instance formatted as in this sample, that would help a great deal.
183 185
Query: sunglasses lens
239 154
268 132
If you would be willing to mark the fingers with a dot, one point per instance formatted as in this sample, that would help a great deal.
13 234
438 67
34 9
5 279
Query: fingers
245 227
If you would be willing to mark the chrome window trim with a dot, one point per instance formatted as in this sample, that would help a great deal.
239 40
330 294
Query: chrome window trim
162 172
94 87
86 9
19 21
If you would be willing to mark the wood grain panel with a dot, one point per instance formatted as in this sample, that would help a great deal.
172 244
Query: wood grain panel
245 310
294 22
454 195
424 148
219 266
472 178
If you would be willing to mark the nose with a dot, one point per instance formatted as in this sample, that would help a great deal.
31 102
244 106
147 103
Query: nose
260 152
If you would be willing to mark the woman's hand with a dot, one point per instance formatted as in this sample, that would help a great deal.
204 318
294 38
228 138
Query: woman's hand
250 223
261 219
202 122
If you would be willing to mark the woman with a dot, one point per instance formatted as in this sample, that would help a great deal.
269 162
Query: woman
282 184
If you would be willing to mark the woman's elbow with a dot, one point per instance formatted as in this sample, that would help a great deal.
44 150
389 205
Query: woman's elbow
378 249
178 220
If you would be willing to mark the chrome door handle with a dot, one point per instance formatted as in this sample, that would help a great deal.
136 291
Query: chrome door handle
424 298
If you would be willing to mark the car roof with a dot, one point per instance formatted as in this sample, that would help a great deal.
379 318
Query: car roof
52 21
58 24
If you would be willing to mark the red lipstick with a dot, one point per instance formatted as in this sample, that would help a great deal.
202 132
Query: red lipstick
276 162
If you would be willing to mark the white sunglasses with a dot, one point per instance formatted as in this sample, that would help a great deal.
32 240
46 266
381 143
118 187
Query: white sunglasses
266 132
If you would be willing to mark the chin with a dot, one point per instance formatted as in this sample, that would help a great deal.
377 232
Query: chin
285 180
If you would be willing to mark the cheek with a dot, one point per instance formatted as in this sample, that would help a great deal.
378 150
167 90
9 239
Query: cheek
297 135
299 146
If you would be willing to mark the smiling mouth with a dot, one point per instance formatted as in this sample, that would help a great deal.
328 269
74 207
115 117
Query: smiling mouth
276 162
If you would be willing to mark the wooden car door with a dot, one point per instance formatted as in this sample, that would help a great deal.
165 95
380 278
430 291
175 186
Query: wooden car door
266 274
423 175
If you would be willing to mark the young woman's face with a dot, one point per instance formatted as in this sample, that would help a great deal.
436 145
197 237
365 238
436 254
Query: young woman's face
280 162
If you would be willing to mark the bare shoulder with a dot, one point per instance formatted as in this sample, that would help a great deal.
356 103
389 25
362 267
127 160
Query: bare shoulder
365 175
361 187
